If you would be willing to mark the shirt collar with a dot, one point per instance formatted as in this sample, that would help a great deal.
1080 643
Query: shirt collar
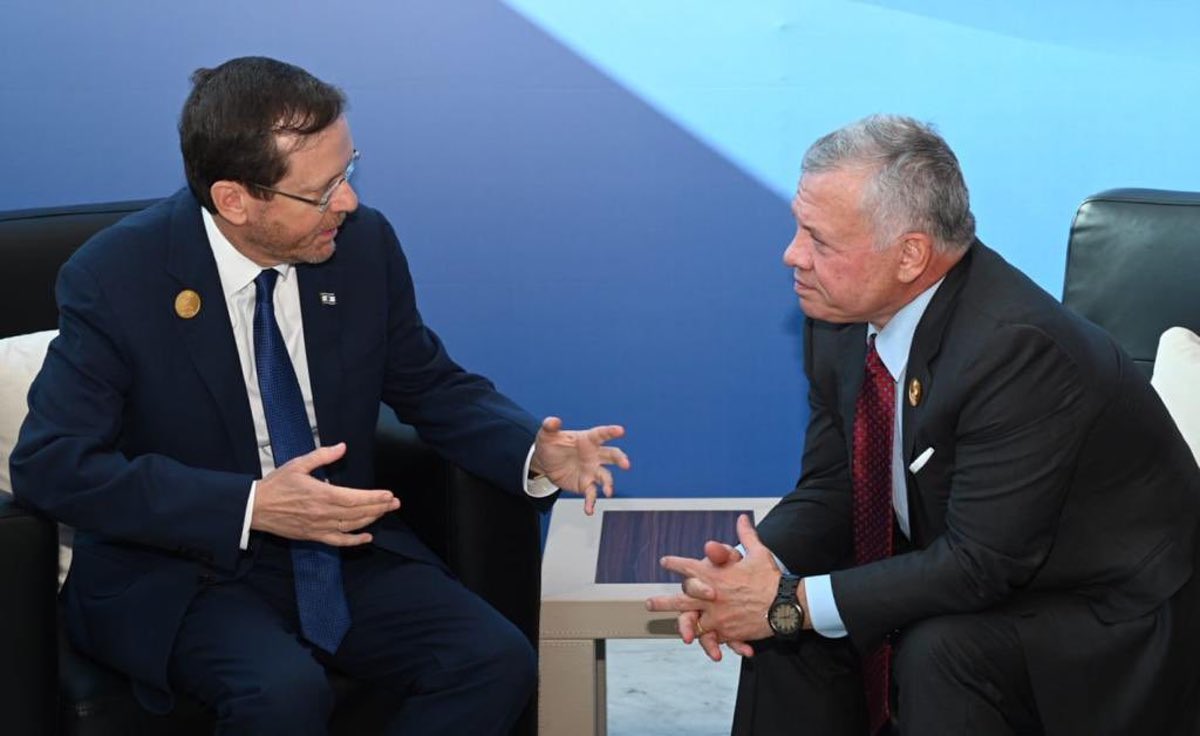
894 341
235 270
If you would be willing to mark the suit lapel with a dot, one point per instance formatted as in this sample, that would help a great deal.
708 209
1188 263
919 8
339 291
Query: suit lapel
926 344
322 326
208 336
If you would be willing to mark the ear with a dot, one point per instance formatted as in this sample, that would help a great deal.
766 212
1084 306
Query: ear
916 252
231 200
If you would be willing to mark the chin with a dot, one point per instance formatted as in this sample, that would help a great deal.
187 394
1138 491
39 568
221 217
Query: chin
825 315
319 253
811 310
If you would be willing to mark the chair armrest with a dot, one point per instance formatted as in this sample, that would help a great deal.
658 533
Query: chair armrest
489 538
28 620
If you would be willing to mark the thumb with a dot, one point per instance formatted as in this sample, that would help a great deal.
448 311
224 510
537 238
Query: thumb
319 457
748 536
551 425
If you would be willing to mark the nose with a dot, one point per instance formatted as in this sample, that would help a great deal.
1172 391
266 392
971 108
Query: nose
798 253
345 199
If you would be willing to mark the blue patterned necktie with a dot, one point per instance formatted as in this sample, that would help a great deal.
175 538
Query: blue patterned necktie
316 567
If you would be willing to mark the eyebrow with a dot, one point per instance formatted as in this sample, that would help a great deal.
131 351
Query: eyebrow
812 230
328 182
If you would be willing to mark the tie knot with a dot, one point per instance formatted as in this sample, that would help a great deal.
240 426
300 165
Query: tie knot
875 364
265 282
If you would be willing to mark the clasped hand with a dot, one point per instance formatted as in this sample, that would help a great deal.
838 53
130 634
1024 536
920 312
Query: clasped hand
290 503
725 594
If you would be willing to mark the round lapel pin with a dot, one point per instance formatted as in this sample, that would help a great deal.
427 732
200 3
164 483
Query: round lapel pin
914 392
187 304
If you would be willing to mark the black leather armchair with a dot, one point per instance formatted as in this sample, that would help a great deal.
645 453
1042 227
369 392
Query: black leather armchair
490 539
1133 266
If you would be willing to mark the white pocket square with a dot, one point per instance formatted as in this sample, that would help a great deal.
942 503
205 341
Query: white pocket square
919 463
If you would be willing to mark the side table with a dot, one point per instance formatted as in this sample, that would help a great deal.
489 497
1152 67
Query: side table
597 573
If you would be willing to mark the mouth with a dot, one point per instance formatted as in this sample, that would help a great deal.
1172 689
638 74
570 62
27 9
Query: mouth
330 233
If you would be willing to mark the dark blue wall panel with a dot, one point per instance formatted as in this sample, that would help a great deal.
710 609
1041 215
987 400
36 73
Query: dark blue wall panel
591 256
593 196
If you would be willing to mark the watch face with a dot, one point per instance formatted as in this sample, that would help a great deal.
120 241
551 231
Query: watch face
785 618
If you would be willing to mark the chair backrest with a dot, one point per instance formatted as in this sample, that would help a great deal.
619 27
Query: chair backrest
34 244
1133 266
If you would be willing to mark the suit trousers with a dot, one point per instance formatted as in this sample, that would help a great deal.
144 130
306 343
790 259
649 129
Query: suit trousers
951 675
449 662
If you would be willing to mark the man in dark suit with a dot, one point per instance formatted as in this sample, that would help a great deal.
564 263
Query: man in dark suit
995 529
205 421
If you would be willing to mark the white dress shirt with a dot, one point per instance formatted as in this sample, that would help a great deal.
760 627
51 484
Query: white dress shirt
893 343
237 274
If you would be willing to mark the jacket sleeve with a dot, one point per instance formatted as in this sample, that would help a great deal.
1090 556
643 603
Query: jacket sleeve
69 462
1019 430
809 530
460 414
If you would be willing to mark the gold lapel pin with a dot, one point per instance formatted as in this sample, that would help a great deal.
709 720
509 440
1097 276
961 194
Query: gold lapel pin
187 304
914 392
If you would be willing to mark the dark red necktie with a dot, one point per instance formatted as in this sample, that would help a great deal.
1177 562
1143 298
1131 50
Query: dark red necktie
871 473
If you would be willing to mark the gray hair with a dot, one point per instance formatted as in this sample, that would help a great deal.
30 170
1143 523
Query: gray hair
917 183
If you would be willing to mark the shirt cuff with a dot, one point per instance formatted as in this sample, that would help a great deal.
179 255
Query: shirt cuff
538 487
822 609
778 562
245 541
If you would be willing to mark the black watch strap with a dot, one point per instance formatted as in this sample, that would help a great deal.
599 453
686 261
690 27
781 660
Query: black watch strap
787 588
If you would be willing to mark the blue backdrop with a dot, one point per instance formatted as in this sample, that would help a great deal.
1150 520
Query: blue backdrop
594 195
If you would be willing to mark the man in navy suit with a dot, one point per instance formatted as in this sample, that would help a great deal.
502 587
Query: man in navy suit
264 302
1034 565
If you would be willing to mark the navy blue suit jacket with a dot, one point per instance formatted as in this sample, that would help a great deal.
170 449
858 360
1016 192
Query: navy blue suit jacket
140 434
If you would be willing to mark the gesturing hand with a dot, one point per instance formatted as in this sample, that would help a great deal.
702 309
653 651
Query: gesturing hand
725 597
290 503
574 460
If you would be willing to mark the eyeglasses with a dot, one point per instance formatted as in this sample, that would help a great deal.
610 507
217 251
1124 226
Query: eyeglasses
321 204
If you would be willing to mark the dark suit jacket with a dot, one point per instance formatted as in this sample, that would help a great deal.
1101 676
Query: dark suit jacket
1059 490
140 435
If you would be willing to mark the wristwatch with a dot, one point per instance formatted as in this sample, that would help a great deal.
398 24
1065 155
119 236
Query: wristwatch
786 615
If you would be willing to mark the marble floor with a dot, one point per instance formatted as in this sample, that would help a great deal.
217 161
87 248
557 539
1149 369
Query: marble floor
662 687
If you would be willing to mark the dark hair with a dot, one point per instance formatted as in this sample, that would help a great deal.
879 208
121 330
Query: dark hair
229 122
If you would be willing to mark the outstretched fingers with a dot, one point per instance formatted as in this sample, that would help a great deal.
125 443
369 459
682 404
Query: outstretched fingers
605 432
614 456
